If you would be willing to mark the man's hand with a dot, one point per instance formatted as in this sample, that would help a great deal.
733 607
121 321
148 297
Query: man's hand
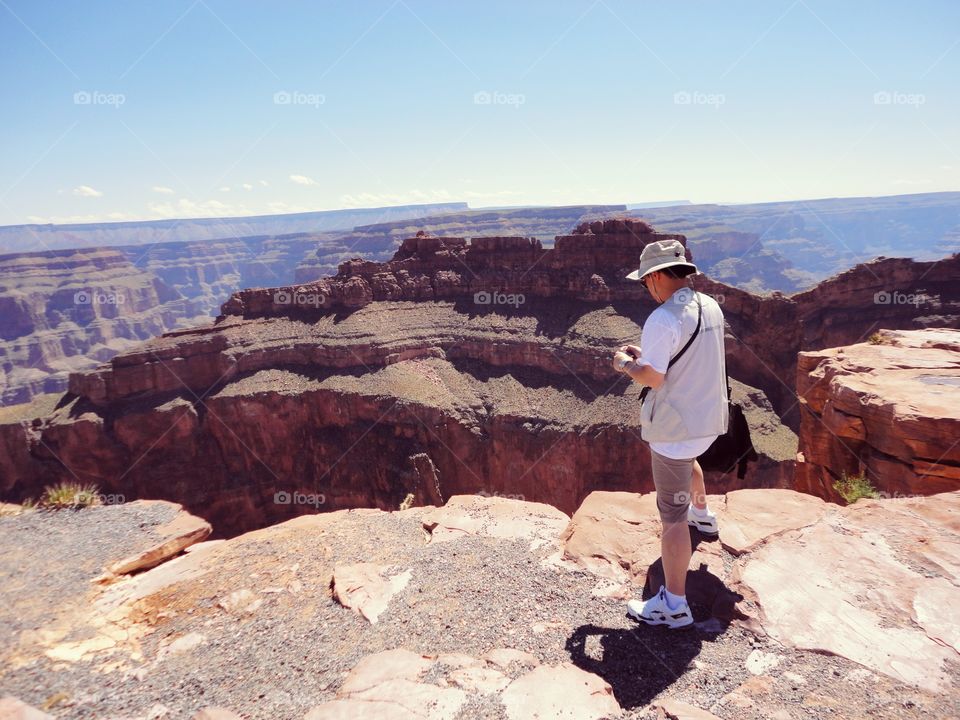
619 357
631 350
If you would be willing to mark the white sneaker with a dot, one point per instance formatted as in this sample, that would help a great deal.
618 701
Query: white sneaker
655 611
707 525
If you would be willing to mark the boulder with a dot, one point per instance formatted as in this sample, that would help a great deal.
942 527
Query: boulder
887 409
367 588
551 692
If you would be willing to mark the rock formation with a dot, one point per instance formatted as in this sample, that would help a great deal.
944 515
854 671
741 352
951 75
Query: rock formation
509 609
457 367
887 409
70 310
543 223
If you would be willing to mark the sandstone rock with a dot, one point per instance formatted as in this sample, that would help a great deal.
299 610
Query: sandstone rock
241 602
181 532
614 534
617 536
385 685
888 409
759 662
366 588
495 517
13 709
550 692
817 589
397 664
747 517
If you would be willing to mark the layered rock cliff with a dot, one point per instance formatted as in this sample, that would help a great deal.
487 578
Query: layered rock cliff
887 410
457 367
207 273
65 311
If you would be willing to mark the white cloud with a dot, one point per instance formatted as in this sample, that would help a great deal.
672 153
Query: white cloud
247 186
86 191
184 208
163 189
225 188
264 183
303 180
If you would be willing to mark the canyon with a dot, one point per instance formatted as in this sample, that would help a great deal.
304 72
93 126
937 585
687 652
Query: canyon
196 276
458 366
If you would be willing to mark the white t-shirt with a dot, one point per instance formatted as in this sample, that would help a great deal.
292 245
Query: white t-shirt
659 341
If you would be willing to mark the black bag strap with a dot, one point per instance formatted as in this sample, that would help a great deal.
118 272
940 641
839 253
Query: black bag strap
686 346
696 331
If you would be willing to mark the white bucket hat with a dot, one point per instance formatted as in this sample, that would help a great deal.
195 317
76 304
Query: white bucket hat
659 255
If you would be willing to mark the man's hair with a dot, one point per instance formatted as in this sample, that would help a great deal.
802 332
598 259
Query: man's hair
678 271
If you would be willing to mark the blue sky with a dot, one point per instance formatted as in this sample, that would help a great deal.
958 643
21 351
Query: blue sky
137 110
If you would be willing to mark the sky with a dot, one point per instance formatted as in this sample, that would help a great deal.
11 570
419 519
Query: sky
131 110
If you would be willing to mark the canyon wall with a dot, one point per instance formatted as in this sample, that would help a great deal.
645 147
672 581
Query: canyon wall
457 367
70 310
887 410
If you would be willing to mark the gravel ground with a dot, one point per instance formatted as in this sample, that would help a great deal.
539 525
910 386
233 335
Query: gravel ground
49 557
465 596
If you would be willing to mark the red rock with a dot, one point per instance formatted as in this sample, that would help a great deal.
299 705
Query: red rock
366 588
816 587
889 410
397 363
549 692
181 532
69 310
749 517
495 517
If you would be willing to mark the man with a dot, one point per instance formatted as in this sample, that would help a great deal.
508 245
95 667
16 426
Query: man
683 413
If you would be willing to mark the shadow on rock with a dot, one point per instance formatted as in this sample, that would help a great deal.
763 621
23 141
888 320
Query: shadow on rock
707 594
639 663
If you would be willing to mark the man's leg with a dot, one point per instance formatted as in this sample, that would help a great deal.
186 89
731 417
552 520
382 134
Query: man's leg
676 552
673 479
698 490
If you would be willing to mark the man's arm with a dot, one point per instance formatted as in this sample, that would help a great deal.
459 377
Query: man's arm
642 373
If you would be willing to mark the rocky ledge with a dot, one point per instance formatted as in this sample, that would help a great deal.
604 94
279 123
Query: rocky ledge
887 409
486 608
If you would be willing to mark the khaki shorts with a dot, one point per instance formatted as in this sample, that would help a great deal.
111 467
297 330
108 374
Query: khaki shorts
672 478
